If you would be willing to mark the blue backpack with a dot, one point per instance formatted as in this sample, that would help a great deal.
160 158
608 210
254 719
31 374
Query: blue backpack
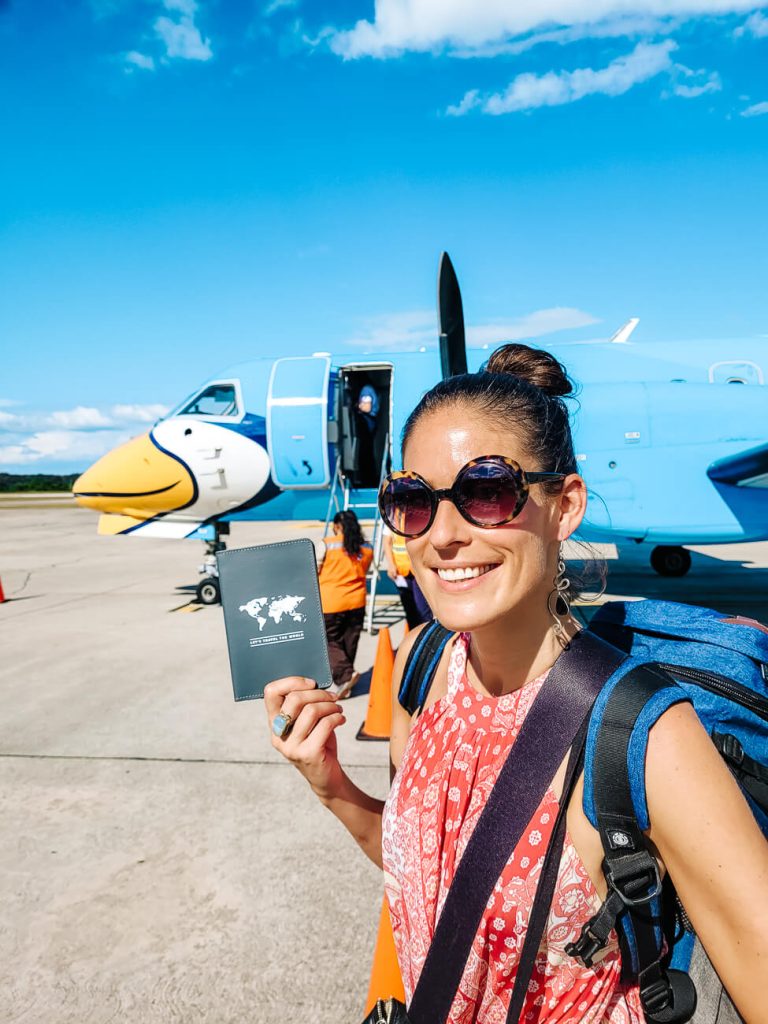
675 653
719 663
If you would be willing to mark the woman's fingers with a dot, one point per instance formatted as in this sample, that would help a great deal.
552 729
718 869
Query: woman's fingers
295 702
307 722
310 734
276 691
320 736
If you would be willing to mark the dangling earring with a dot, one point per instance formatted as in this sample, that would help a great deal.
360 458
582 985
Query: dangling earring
558 603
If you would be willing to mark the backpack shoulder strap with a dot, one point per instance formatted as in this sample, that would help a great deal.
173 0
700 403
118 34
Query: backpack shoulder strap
551 727
421 665
615 803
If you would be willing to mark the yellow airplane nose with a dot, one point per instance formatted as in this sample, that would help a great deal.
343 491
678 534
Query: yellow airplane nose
136 479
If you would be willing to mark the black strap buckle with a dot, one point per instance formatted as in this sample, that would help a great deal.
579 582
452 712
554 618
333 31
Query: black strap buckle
586 947
656 995
730 748
667 997
632 875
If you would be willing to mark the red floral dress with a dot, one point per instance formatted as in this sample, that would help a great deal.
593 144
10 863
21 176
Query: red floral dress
453 757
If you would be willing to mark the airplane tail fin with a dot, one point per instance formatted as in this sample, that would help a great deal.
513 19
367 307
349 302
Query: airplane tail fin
621 337
745 469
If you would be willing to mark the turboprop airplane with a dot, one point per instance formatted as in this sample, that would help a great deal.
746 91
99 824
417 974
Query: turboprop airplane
672 440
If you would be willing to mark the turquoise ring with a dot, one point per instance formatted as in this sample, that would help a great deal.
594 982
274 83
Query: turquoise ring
282 725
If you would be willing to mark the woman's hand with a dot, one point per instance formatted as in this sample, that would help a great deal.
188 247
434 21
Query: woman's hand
311 743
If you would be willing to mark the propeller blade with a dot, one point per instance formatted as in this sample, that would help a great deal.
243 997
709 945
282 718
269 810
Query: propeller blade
450 314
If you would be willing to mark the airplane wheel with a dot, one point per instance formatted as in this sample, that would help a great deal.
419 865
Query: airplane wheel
208 591
671 561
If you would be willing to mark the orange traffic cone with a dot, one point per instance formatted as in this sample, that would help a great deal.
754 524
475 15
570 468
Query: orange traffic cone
386 981
378 718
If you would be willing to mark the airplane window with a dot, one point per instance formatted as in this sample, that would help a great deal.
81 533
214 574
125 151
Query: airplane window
216 400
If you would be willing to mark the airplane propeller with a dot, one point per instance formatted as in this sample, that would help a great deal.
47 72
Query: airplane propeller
450 315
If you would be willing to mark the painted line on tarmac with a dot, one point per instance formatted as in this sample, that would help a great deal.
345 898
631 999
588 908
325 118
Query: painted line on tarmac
127 758
190 606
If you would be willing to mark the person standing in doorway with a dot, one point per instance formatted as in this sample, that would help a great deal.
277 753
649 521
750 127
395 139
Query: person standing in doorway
343 561
367 422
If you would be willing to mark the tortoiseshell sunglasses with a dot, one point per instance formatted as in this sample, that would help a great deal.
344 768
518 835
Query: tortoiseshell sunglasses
489 491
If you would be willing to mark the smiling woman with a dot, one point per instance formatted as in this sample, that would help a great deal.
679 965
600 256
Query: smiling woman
488 494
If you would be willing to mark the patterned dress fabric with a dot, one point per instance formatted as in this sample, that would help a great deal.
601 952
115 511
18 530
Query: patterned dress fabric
451 762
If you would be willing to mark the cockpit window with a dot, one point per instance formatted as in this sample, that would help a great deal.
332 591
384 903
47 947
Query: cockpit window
216 400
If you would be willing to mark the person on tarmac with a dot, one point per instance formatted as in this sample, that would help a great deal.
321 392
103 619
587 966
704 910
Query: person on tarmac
488 494
343 562
399 570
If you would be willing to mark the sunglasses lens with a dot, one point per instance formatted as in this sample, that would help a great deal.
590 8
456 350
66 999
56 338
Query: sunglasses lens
489 493
406 506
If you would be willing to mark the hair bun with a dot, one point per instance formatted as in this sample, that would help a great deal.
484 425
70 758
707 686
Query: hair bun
533 365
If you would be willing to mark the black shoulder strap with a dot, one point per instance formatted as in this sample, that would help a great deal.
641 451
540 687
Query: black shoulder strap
545 890
549 730
631 871
421 665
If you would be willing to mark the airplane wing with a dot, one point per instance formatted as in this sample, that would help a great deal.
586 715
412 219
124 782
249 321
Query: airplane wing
745 469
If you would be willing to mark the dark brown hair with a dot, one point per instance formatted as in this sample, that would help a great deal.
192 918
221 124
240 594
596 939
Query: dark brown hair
351 531
521 388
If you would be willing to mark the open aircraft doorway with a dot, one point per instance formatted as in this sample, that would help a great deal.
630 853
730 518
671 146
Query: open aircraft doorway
364 423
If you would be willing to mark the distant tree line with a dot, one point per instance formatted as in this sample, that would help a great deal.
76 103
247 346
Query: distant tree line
36 481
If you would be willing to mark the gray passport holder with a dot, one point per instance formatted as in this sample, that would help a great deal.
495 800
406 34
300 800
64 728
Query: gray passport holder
273 616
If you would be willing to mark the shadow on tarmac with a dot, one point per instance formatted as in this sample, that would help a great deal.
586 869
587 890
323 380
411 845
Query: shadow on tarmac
732 586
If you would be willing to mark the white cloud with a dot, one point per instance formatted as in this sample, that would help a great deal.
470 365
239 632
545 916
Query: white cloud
78 435
756 25
61 446
139 60
138 413
83 418
79 418
187 7
756 110
528 91
692 84
469 101
409 331
279 5
532 325
624 27
182 37
432 25
397 331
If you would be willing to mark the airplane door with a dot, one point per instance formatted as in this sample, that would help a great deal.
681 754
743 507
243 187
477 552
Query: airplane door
297 422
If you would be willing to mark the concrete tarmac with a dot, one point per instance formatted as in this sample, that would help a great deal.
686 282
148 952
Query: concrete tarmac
158 860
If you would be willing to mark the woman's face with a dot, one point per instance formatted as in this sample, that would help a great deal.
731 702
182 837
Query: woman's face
513 565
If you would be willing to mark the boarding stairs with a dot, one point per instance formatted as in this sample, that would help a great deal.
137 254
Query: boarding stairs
344 496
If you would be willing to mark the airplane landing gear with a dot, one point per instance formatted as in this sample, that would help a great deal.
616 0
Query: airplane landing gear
208 589
670 561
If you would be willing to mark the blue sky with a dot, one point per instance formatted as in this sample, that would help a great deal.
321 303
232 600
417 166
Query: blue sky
187 185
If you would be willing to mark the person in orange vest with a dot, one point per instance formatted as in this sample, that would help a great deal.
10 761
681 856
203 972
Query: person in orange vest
399 571
343 561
